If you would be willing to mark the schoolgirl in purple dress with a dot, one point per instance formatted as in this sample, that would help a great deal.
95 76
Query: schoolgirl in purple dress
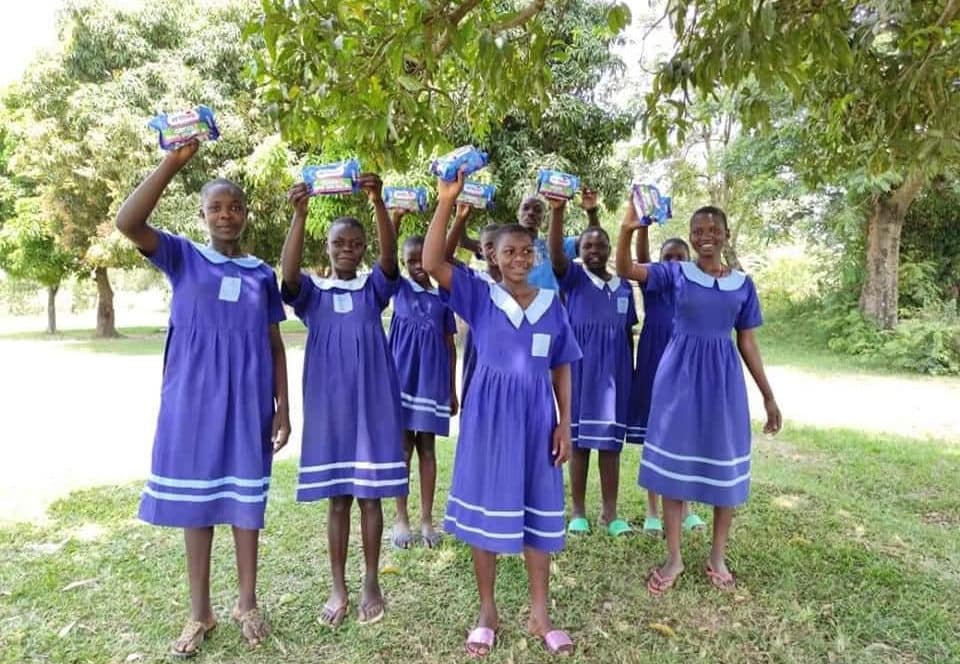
421 337
698 438
602 315
352 431
223 406
507 490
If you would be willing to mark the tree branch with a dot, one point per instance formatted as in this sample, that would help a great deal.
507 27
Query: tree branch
452 21
519 18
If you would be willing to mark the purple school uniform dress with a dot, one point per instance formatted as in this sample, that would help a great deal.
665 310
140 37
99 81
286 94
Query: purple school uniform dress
470 351
698 440
506 492
418 342
212 451
658 308
601 315
352 431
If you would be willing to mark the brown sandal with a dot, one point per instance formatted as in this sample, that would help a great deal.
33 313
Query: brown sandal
253 626
193 634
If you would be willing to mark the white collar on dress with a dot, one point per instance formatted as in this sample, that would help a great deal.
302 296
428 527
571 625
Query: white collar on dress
417 288
485 276
731 282
217 258
534 311
614 282
354 284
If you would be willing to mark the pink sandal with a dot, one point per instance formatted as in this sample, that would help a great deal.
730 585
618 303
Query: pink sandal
657 584
720 580
479 642
558 642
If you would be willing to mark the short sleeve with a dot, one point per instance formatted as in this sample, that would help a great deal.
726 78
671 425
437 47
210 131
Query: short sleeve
572 278
749 316
304 298
449 322
571 246
468 294
566 350
275 312
168 257
660 277
384 287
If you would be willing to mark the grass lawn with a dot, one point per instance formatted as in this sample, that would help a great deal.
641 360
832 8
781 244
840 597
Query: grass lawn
848 551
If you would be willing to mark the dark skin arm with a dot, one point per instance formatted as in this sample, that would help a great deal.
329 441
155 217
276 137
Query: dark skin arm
396 217
561 434
280 431
452 349
750 352
588 201
642 247
558 258
434 255
626 268
458 233
372 186
291 256
133 214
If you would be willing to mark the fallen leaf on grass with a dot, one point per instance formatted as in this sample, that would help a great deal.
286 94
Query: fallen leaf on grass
66 629
662 630
390 569
78 584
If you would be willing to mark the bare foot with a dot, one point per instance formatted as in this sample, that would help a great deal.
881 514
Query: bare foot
371 603
431 538
400 536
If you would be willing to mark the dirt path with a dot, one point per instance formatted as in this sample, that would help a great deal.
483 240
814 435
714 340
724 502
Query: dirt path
77 419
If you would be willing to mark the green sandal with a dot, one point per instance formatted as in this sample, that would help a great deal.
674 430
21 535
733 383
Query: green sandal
578 526
618 527
693 522
653 527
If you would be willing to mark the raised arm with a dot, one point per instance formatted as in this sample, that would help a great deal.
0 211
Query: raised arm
558 258
291 256
133 214
588 201
435 260
396 217
626 268
642 247
457 237
750 352
372 186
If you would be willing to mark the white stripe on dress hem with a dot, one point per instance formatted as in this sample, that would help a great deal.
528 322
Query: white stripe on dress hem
350 480
485 512
359 465
636 428
481 531
612 438
696 459
559 513
206 484
426 409
541 533
206 498
694 478
424 400
604 422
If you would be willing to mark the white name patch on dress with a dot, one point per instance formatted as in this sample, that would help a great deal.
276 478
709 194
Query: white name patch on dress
230 289
342 303
541 345
621 305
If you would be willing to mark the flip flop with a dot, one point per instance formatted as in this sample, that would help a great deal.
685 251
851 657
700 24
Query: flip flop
558 642
479 637
657 584
194 633
653 527
578 526
336 616
618 527
401 541
720 580
693 522
253 627
361 620
432 540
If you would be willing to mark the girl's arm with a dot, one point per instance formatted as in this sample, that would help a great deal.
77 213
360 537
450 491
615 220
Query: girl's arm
555 236
396 217
434 244
458 233
373 186
750 352
642 247
626 268
280 432
452 349
292 254
561 435
588 201
133 214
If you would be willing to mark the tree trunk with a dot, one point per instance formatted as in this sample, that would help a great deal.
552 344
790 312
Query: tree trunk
106 323
52 308
878 297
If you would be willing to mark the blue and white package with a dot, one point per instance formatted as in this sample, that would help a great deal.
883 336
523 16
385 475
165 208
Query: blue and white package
651 205
447 166
177 129
555 184
412 199
342 177
477 195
